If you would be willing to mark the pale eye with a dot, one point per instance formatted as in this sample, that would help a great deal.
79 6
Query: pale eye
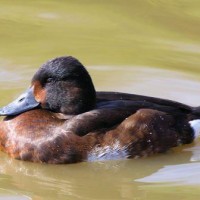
49 80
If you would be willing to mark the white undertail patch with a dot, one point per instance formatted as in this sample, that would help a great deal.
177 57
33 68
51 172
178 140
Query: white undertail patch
195 125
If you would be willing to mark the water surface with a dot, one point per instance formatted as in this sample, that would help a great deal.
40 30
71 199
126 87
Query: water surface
148 47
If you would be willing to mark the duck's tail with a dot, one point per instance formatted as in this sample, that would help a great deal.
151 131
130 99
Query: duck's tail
195 123
196 111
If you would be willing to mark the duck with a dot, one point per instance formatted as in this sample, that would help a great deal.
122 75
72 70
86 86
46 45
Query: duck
62 119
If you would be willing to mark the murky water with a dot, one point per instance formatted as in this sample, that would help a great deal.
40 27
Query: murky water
149 47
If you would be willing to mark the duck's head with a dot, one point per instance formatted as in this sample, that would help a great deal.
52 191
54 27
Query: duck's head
60 85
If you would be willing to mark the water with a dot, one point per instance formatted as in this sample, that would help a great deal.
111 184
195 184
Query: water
148 47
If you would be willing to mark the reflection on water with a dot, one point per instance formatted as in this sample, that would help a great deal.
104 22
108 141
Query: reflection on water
148 47
12 197
183 174
148 81
152 33
100 180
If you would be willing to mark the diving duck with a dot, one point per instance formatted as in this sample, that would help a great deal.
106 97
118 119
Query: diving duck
62 119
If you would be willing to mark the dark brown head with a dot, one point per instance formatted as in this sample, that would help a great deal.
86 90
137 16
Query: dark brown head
60 85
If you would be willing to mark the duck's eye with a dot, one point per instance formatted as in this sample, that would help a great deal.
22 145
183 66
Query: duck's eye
49 80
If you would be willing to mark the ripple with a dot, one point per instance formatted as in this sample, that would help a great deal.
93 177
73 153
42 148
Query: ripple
149 81
49 16
15 198
183 174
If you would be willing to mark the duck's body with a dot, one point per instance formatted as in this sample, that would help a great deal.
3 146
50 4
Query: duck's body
89 125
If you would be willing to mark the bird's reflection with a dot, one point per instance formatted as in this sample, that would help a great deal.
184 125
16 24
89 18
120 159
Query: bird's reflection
97 179
179 174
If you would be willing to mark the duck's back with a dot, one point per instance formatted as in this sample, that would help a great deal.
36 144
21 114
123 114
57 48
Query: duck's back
112 96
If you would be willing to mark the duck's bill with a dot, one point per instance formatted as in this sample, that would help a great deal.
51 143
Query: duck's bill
23 103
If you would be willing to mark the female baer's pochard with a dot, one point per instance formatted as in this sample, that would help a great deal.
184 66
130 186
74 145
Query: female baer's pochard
62 119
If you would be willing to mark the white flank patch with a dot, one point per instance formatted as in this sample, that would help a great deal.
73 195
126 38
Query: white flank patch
114 152
195 124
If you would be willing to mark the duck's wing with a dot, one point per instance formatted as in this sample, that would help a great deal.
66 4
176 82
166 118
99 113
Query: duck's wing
108 114
112 96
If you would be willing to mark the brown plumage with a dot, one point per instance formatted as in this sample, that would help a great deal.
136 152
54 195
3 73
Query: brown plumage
61 119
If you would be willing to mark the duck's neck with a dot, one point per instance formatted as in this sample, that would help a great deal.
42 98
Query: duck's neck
70 98
79 100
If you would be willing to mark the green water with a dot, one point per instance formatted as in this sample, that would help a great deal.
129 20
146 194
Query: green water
149 47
